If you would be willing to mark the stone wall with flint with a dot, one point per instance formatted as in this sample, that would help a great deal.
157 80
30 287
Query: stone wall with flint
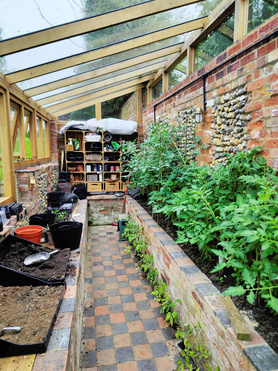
229 129
187 142
241 98
45 176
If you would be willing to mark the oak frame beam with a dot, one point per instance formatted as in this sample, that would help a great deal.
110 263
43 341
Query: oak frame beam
105 51
99 93
103 70
99 100
90 24
241 19
101 84
213 20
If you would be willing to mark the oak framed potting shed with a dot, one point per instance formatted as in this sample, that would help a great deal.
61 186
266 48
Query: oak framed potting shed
164 56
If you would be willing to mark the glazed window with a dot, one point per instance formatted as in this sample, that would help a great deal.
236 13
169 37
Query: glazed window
260 11
178 73
43 139
157 90
215 43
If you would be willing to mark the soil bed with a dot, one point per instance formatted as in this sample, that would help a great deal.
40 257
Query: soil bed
266 323
31 308
49 270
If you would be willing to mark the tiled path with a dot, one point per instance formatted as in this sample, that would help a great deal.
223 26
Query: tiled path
122 325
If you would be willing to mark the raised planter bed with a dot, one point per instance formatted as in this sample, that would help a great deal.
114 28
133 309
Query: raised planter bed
201 303
13 251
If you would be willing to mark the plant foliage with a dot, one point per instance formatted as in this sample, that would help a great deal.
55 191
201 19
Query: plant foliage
229 211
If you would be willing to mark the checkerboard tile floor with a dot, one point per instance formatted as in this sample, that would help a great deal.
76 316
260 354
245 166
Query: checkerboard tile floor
123 328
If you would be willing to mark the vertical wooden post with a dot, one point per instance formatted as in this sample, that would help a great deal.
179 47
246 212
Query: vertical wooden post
165 82
149 95
41 138
22 137
139 106
47 138
7 149
190 60
241 19
33 138
98 110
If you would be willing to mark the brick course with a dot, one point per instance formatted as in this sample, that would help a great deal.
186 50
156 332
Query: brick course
257 68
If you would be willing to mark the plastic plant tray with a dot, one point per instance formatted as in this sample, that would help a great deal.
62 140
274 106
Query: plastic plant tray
9 349
12 277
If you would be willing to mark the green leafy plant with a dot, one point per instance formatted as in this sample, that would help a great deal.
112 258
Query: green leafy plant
190 349
229 211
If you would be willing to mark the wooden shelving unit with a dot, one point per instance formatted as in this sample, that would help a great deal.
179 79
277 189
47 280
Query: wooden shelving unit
96 163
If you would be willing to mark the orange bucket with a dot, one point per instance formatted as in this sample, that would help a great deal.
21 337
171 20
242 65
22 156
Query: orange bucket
30 232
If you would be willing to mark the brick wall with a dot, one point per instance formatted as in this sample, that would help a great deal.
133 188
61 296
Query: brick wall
104 209
129 109
255 69
45 177
200 302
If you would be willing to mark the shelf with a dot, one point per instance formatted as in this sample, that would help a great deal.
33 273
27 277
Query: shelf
97 149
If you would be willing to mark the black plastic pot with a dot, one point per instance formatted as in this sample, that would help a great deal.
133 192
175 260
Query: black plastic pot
43 220
66 235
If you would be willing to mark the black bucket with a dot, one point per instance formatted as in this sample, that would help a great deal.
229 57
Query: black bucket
66 235
43 220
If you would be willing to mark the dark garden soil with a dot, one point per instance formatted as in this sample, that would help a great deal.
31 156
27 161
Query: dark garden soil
50 270
31 308
266 322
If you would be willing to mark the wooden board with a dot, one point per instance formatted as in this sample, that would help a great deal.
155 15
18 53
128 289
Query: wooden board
237 323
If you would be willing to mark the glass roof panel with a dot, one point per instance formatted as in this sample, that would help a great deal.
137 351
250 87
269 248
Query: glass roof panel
69 72
22 17
79 44
103 78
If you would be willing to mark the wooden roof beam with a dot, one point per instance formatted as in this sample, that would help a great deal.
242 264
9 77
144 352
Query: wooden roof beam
91 102
101 84
217 16
103 70
105 51
96 94
90 24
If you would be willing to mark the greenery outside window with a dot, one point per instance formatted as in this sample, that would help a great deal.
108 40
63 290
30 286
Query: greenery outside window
178 73
157 90
259 11
43 137
215 43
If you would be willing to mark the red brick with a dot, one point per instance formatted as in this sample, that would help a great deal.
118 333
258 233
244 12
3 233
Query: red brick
272 143
265 134
273 153
268 27
266 49
272 78
253 143
250 67
250 39
247 59
274 134
261 62
255 85
273 101
234 49
253 106
257 74
258 125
